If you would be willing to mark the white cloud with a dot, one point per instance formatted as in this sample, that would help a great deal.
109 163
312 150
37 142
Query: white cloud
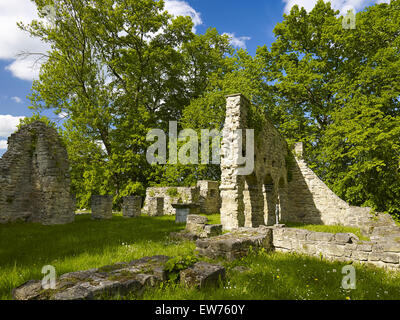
16 99
8 125
238 42
14 41
182 8
341 5
3 144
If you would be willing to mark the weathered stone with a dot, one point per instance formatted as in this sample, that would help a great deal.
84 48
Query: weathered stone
196 219
169 196
334 249
209 197
391 247
155 206
212 230
253 198
360 255
364 247
102 207
236 244
34 177
109 281
131 206
385 257
202 274
346 238
320 236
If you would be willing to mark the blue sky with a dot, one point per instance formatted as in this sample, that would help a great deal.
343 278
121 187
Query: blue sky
249 23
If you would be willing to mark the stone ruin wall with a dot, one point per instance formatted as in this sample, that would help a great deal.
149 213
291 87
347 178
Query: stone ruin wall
250 201
209 197
184 195
205 194
34 178
339 247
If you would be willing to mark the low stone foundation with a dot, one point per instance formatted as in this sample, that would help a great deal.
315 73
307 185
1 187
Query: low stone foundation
102 207
119 280
340 246
131 206
236 244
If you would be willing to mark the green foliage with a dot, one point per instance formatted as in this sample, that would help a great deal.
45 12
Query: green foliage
336 90
174 265
117 69
34 118
173 192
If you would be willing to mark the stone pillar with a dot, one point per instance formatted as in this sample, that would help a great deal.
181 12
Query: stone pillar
102 207
155 206
131 206
232 185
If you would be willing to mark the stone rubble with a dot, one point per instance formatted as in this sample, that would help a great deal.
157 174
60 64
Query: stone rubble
197 227
118 280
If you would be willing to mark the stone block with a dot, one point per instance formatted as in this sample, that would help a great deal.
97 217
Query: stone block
212 230
202 274
119 279
102 207
196 219
364 247
346 238
384 257
131 206
391 247
360 255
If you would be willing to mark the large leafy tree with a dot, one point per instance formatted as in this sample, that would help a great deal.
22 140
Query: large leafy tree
335 89
339 90
116 69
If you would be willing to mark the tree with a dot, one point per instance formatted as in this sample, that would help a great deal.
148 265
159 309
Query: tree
340 90
116 69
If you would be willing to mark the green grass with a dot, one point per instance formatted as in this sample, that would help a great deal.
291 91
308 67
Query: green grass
329 229
85 244
213 218
279 276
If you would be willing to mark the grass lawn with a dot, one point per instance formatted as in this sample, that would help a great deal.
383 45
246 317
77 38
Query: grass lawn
85 244
329 229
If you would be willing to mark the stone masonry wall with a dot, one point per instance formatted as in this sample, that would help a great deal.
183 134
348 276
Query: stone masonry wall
183 195
281 179
250 201
209 198
34 177
340 246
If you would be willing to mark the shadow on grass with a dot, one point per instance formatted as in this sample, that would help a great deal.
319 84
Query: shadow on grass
24 243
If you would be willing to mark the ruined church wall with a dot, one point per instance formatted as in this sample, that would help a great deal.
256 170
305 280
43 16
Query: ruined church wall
339 247
183 195
34 178
279 178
